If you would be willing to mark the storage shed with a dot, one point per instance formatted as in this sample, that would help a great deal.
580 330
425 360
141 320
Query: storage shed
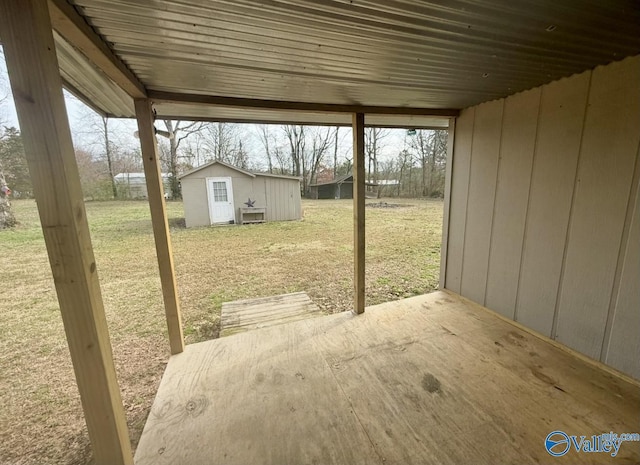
219 193
340 188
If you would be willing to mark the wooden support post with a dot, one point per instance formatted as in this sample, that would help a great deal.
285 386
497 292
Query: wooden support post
30 54
155 191
451 134
358 211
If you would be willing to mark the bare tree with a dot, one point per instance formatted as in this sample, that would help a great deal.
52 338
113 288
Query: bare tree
109 155
194 150
266 138
240 157
308 148
403 165
296 138
373 138
177 132
7 218
430 148
335 152
96 183
100 139
221 140
280 155
321 141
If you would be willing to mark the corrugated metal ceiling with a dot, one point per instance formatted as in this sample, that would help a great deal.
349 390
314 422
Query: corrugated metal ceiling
398 53
89 83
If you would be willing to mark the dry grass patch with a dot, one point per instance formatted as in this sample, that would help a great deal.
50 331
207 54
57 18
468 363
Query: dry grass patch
41 420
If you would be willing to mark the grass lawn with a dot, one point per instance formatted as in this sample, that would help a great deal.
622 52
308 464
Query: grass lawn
41 419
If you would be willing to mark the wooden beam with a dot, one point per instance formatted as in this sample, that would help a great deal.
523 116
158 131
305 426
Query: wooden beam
358 211
37 90
66 20
249 120
451 137
174 97
155 191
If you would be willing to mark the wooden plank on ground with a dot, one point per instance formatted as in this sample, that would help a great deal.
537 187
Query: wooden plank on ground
263 312
37 89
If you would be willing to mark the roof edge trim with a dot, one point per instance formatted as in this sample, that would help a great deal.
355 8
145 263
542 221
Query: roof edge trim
175 97
217 162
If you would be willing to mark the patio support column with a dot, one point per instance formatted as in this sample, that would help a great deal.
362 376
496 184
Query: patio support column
155 192
358 211
451 134
30 53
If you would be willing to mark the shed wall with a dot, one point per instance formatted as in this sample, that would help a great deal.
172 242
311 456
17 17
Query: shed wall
326 191
544 225
280 196
194 193
283 198
346 190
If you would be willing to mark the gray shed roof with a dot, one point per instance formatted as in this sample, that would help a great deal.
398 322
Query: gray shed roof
346 178
249 173
252 60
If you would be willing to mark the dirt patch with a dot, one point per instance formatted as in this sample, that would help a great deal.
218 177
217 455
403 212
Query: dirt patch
387 205
177 223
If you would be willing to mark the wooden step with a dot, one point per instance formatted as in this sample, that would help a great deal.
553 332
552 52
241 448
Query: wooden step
244 315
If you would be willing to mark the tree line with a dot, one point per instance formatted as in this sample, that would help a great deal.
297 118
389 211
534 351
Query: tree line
315 154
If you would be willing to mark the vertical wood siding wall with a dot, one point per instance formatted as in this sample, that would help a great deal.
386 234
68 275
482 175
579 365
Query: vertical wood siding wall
544 224
283 198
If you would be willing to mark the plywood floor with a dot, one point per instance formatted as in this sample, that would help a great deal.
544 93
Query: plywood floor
427 380
248 314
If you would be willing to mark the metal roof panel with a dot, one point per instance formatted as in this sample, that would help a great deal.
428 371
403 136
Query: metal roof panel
400 53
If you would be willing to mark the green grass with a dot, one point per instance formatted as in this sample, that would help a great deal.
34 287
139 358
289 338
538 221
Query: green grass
41 420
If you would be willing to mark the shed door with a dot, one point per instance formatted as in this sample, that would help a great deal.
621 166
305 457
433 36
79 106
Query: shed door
220 196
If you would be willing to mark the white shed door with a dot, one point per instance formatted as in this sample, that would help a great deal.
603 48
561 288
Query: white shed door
220 196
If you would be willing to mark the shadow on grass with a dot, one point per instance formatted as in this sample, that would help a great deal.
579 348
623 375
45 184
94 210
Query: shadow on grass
177 223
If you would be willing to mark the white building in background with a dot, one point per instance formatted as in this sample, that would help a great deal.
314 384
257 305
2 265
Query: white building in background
134 185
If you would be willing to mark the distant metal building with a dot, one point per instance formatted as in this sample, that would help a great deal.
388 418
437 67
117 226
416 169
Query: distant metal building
220 193
340 188
134 185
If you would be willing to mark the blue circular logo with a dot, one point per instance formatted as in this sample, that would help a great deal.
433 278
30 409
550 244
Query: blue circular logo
557 443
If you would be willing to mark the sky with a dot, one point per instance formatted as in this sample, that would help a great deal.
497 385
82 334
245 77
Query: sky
81 117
